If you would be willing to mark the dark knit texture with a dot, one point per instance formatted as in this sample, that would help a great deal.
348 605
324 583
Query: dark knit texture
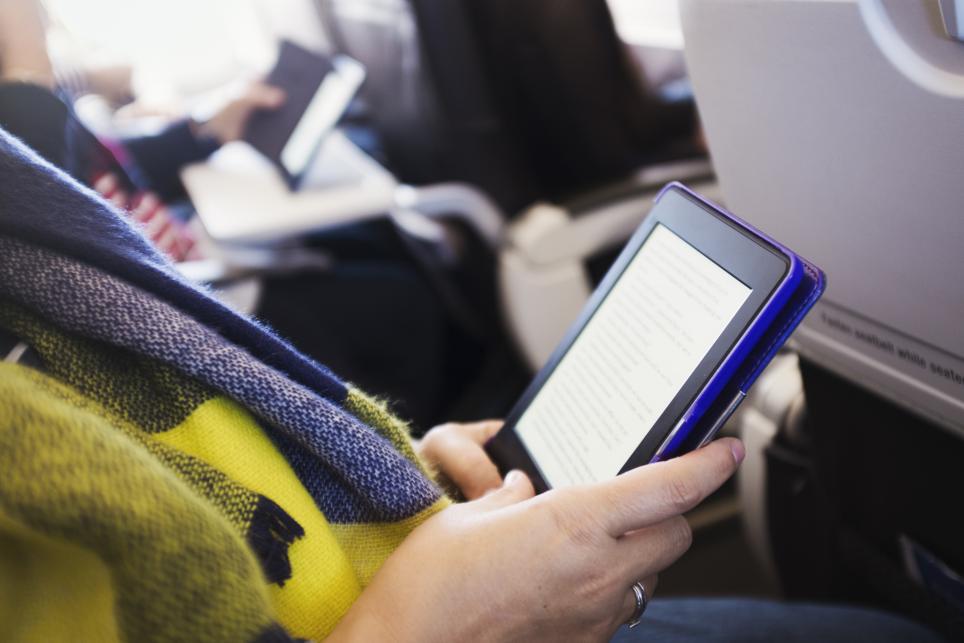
51 210
353 473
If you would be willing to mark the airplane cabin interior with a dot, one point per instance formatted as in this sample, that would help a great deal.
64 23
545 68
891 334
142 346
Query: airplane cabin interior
305 255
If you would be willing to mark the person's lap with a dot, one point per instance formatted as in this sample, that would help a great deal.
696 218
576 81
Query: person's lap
748 620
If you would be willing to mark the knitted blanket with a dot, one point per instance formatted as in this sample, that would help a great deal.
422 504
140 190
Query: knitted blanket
174 471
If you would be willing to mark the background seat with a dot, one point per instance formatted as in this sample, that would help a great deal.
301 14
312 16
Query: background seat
547 119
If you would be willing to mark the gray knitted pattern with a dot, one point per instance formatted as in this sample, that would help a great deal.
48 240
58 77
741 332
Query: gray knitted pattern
353 473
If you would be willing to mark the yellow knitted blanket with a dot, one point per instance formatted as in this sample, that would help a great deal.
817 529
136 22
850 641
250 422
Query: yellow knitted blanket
139 504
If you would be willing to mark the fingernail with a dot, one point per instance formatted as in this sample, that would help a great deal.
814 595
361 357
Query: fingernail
512 477
738 450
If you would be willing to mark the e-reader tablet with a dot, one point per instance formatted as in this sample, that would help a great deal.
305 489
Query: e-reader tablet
695 306
318 90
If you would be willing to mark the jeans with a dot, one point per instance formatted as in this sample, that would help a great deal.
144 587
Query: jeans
748 620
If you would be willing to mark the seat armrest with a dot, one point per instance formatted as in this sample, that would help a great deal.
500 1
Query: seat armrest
548 234
459 201
647 179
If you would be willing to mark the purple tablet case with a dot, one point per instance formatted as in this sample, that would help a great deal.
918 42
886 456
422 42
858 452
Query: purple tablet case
724 392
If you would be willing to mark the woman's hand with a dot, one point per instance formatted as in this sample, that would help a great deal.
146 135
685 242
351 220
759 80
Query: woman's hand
560 566
456 451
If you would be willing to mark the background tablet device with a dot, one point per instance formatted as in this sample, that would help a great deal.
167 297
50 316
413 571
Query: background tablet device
679 313
318 90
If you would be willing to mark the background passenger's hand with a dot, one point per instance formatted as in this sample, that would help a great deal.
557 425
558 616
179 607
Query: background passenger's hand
113 82
456 451
229 123
560 566
23 43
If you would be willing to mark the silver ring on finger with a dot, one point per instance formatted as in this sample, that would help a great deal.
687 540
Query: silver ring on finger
642 602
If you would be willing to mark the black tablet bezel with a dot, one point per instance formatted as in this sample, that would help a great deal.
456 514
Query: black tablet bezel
341 67
747 257
294 63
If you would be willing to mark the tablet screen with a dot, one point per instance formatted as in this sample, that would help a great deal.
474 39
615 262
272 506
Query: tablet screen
322 114
645 340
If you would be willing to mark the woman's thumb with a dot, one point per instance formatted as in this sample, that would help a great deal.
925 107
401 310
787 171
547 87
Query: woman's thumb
515 488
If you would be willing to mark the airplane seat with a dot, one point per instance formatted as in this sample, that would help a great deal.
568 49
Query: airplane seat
562 140
836 127
426 95
499 95
572 96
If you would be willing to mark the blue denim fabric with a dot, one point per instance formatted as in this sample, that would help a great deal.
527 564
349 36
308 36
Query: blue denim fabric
716 620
